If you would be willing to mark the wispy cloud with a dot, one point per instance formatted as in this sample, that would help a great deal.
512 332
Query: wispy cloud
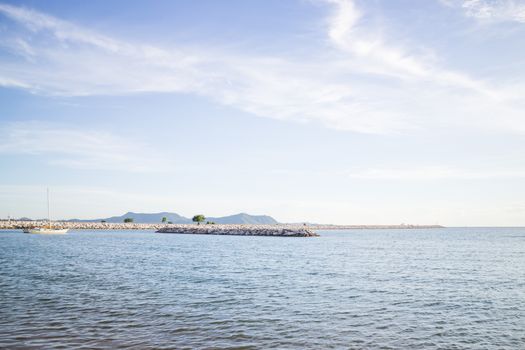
359 82
346 34
433 173
79 148
491 10
7 82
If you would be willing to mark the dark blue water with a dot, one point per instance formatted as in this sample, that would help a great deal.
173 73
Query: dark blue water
360 289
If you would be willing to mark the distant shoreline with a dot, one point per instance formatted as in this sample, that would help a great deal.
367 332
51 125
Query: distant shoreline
15 224
272 230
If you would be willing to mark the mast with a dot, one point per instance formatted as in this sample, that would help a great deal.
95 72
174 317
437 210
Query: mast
48 216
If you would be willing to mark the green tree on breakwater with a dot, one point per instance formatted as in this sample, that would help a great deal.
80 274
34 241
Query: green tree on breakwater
164 219
128 220
198 219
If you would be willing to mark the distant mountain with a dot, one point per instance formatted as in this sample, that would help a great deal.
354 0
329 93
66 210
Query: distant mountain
143 218
244 218
153 218
27 219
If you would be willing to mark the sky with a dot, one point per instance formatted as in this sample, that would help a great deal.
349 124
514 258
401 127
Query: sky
325 111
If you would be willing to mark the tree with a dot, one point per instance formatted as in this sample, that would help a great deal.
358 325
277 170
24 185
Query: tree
164 219
128 220
198 219
210 222
103 221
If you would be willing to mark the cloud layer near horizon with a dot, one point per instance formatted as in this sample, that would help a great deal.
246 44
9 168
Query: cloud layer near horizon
362 82
80 148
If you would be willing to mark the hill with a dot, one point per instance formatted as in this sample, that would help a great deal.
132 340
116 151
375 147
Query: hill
152 218
244 218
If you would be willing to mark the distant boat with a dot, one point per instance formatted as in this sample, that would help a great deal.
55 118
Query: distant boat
47 229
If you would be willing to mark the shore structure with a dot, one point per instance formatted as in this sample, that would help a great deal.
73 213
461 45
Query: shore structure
279 230
241 230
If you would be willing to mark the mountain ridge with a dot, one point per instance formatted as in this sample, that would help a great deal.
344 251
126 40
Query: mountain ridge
151 218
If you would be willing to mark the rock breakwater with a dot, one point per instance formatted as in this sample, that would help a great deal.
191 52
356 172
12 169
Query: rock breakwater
238 230
286 230
241 230
9 225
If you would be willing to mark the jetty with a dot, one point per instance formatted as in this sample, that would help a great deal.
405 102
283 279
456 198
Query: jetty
275 230
215 229
241 230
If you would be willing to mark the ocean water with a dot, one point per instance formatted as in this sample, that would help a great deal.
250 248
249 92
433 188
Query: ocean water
454 288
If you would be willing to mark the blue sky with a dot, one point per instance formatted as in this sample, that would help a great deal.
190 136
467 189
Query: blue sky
377 112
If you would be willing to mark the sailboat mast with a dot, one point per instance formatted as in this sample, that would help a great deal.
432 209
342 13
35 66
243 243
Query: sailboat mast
48 216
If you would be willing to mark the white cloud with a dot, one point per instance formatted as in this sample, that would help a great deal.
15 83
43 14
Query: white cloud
433 173
7 82
63 30
79 148
360 84
347 35
492 10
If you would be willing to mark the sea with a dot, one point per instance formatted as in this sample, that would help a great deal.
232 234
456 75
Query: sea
450 288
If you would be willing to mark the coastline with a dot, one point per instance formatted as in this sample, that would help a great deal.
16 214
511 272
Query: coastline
202 229
17 224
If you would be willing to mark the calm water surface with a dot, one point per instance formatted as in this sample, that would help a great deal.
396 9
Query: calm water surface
360 289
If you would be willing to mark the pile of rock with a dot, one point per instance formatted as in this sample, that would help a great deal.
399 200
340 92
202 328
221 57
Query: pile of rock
286 230
5 224
240 230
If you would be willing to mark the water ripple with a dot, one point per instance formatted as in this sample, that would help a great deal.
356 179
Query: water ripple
384 289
